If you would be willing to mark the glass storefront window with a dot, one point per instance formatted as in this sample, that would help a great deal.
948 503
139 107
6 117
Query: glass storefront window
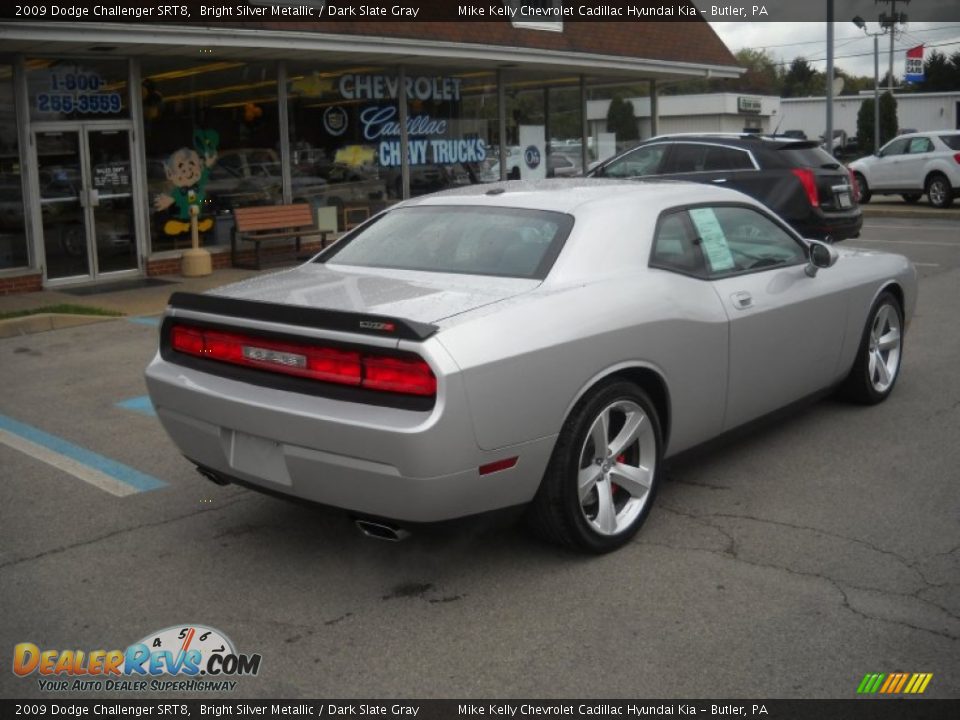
453 129
212 139
345 134
13 239
77 89
344 139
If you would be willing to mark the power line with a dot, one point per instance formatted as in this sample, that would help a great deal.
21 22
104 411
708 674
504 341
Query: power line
819 41
864 54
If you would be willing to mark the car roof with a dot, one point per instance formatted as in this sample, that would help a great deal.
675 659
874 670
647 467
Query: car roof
741 140
569 195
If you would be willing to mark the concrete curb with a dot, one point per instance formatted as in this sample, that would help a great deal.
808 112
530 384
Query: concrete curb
909 212
43 322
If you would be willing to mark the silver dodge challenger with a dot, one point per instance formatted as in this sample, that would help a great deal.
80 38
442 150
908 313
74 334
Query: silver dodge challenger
544 344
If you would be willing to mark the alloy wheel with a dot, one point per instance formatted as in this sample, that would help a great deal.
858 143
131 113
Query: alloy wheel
617 466
884 348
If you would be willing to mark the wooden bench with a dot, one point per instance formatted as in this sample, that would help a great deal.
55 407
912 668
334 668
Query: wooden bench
272 222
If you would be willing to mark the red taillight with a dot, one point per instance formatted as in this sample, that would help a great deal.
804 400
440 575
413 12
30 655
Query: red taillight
411 376
809 182
407 375
956 158
187 340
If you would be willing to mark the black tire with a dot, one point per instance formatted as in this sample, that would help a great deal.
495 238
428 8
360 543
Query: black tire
939 191
861 385
863 188
557 513
912 198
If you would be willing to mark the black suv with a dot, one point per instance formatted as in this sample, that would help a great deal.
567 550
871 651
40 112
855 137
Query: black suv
795 178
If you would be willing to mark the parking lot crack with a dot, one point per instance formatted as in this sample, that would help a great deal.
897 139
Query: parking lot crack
121 531
844 588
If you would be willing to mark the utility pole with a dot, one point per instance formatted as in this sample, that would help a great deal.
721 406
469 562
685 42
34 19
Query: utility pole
829 87
890 22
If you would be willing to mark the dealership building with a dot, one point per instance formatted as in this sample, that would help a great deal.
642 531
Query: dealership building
110 131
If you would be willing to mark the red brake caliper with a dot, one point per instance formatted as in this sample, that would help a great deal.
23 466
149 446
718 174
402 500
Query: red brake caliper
621 458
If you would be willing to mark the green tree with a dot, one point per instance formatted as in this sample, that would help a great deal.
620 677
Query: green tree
888 121
801 80
622 120
761 75
941 74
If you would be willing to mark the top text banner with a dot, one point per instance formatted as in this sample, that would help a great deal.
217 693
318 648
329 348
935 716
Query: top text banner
516 11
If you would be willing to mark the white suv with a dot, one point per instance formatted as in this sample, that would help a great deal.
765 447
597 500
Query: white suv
923 163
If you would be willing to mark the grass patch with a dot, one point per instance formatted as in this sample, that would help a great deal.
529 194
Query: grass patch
62 309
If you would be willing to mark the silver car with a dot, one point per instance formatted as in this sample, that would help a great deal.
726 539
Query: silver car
546 344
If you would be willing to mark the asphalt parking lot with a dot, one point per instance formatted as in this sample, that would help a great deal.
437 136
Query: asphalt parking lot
787 562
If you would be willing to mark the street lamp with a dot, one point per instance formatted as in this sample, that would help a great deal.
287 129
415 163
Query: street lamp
860 23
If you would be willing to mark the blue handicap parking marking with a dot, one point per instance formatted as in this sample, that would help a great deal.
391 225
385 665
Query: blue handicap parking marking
139 404
153 321
101 471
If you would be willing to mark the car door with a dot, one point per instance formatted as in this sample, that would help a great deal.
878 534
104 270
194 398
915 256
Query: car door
885 170
910 173
785 327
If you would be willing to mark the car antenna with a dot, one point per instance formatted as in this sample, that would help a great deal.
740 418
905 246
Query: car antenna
777 128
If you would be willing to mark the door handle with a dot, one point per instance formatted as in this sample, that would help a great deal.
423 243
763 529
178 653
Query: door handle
94 196
742 300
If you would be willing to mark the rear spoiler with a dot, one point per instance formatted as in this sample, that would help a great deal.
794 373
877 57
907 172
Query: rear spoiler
378 325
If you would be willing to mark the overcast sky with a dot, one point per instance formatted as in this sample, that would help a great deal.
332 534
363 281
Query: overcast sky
786 41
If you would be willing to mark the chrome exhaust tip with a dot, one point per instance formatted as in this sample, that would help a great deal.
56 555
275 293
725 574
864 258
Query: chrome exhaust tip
381 531
212 476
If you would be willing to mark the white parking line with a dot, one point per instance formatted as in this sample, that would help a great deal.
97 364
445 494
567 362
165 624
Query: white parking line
68 465
927 264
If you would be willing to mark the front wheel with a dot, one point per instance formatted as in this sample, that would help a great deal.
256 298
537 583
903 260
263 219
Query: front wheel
603 474
940 192
877 366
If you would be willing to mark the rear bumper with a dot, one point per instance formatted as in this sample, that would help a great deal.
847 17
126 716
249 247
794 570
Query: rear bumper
839 226
405 465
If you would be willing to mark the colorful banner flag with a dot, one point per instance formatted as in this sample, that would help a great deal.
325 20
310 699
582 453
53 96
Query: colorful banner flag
914 70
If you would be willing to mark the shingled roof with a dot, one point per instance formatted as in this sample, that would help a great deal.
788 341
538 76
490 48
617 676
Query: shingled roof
685 42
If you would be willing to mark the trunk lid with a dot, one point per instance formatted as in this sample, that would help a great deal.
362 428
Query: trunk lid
424 297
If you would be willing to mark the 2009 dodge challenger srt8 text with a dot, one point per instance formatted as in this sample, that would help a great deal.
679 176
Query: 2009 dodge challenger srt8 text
546 344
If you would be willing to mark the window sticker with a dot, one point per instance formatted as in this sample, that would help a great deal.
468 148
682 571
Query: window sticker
712 239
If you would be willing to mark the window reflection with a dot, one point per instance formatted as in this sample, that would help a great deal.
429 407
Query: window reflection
213 141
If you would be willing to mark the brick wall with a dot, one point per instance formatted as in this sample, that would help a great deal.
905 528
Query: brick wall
268 254
21 284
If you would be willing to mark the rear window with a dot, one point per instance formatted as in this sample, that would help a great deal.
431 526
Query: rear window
952 141
809 157
505 242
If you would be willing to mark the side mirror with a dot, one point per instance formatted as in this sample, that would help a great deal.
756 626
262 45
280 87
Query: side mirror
821 255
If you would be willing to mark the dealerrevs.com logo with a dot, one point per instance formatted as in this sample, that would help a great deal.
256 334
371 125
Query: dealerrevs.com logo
201 658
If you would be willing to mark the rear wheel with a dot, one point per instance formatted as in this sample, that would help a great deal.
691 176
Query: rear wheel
939 191
603 474
862 187
877 366
911 198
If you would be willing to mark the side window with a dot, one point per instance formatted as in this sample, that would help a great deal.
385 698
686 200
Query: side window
741 239
920 145
642 161
687 158
724 158
674 248
897 147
